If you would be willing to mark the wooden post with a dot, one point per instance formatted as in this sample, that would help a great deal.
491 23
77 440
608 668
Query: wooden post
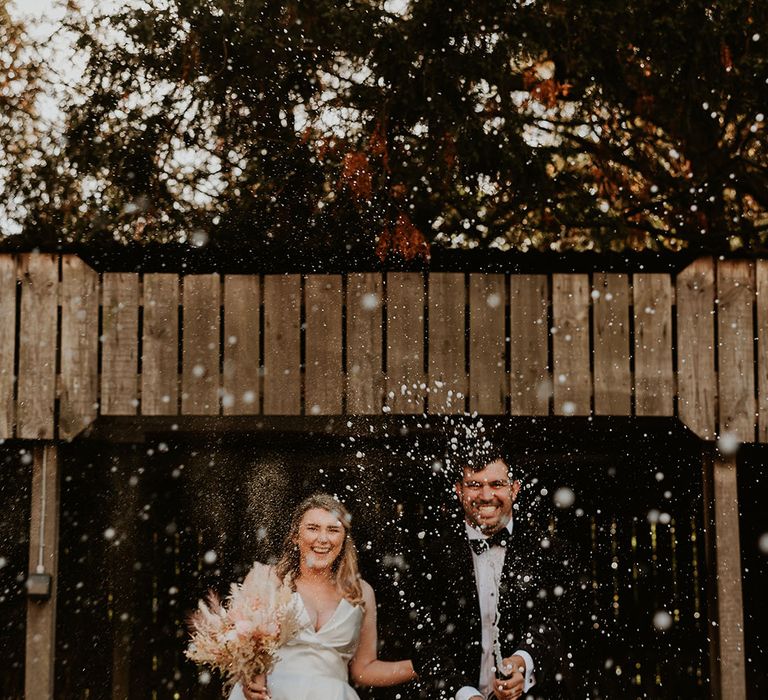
726 605
43 559
120 575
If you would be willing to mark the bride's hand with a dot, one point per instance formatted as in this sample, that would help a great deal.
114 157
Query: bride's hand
256 689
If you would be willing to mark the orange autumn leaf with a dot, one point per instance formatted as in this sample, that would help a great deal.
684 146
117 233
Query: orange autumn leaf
530 77
406 241
546 91
356 174
398 190
383 244
726 58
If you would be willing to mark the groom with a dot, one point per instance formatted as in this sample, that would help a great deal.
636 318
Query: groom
486 591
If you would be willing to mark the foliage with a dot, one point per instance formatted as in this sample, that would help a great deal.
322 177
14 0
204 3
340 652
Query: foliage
389 126
20 86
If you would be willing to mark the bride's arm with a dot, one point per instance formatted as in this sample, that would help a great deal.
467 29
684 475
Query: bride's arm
365 667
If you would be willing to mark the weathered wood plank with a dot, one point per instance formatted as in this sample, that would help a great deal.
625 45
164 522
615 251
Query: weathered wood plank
121 504
200 380
654 378
730 603
365 377
242 309
7 343
696 378
405 380
736 381
37 345
120 343
447 348
282 356
39 664
613 380
324 380
762 349
530 382
160 345
488 386
79 346
570 344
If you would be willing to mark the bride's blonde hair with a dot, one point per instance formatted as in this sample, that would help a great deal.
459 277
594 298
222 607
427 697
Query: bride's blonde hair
346 573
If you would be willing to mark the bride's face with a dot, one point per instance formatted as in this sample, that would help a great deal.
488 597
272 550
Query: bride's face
320 538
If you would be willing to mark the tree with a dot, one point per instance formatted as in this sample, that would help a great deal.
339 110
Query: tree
596 124
345 126
20 86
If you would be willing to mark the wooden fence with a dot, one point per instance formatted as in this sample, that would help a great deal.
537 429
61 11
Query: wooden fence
75 344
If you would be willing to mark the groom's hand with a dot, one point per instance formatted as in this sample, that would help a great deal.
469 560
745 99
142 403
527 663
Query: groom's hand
509 688
512 685
513 664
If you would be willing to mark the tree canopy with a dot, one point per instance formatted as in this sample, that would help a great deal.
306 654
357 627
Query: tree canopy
390 127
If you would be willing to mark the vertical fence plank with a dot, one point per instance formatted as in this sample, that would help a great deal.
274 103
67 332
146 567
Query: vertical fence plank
282 352
79 346
405 342
487 344
530 383
40 666
730 602
119 575
447 332
120 345
365 379
762 349
242 308
570 344
160 345
200 345
37 345
654 379
613 381
736 383
323 376
696 378
7 343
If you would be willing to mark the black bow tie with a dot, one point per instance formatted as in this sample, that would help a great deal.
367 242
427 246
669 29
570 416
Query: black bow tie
498 539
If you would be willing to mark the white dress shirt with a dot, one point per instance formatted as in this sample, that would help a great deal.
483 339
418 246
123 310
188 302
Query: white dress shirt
488 567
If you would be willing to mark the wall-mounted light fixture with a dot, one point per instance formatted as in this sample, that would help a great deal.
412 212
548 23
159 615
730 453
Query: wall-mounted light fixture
39 584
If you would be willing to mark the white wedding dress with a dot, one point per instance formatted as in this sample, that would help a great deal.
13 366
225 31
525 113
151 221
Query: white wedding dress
314 664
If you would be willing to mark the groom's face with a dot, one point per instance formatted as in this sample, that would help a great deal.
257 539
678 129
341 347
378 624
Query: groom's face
487 496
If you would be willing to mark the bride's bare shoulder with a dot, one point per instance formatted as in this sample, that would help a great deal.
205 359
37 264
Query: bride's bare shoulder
367 590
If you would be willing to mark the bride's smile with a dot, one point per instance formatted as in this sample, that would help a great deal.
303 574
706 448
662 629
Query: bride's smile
320 539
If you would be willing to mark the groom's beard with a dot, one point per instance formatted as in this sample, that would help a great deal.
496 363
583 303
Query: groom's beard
488 516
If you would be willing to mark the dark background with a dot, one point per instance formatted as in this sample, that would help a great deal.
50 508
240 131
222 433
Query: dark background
137 519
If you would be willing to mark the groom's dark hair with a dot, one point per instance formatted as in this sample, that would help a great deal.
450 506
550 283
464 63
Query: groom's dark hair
473 452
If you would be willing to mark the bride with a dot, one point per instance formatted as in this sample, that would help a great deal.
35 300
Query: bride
337 634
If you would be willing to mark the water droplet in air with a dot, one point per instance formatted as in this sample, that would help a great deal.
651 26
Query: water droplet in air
564 497
662 620
210 557
199 238
728 443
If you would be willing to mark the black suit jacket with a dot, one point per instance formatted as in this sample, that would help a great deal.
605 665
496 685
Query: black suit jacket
442 601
